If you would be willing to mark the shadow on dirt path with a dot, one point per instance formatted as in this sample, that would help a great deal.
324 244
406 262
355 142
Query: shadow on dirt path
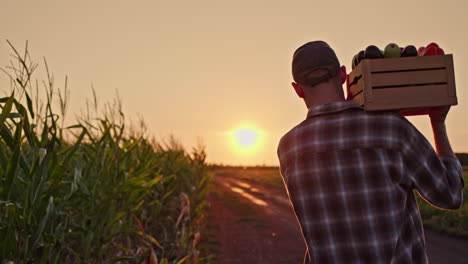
254 223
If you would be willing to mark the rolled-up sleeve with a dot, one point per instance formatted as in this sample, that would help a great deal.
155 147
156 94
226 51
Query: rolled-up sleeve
453 166
439 180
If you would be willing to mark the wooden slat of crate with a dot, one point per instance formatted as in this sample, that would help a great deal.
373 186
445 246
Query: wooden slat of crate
366 82
408 63
414 97
357 88
356 72
359 98
451 76
381 80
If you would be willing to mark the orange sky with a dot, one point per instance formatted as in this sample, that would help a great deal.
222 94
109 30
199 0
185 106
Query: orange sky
199 69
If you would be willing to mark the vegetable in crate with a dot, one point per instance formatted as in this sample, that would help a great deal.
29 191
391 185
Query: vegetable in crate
420 50
357 59
409 51
391 51
360 56
354 62
372 52
431 50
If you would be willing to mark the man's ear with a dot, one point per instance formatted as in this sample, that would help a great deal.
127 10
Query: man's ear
298 89
343 74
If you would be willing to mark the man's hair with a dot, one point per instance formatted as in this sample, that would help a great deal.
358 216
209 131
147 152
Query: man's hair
316 77
313 63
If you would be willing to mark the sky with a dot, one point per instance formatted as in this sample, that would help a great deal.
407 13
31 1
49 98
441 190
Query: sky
199 70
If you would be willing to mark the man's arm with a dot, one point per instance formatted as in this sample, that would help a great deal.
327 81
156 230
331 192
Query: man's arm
442 144
437 175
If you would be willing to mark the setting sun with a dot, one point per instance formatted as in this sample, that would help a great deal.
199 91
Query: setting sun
246 139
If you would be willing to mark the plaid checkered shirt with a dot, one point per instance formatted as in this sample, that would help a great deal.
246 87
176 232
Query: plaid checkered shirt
350 176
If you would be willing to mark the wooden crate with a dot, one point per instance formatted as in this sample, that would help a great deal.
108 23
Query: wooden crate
410 84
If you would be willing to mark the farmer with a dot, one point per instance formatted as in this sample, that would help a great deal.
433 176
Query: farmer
350 174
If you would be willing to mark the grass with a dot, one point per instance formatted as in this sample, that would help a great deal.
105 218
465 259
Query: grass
97 191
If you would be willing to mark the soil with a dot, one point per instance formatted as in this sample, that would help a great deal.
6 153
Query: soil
254 223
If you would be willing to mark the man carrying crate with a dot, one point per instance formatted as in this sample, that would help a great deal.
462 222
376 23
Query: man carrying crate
350 174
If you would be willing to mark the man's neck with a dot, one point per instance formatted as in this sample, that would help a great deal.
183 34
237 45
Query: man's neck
323 95
321 102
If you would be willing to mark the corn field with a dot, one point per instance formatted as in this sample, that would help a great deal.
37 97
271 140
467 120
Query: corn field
98 191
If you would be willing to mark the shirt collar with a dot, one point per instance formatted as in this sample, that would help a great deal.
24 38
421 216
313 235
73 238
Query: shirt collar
332 108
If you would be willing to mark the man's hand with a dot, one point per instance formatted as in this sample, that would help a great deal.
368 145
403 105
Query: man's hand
438 114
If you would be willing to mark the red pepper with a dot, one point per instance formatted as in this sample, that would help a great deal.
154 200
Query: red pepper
432 44
431 50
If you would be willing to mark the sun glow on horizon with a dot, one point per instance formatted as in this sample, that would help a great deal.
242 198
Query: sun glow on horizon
246 139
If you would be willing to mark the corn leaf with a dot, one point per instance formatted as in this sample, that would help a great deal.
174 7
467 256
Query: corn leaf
6 110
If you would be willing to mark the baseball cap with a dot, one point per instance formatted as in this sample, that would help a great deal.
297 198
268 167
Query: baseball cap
309 58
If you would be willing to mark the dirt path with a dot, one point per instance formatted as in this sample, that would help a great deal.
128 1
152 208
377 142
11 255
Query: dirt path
266 234
255 224
442 248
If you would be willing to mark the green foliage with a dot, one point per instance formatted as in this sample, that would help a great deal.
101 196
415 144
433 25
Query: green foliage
451 222
93 192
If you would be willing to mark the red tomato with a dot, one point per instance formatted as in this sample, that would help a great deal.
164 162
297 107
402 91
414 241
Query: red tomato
420 50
